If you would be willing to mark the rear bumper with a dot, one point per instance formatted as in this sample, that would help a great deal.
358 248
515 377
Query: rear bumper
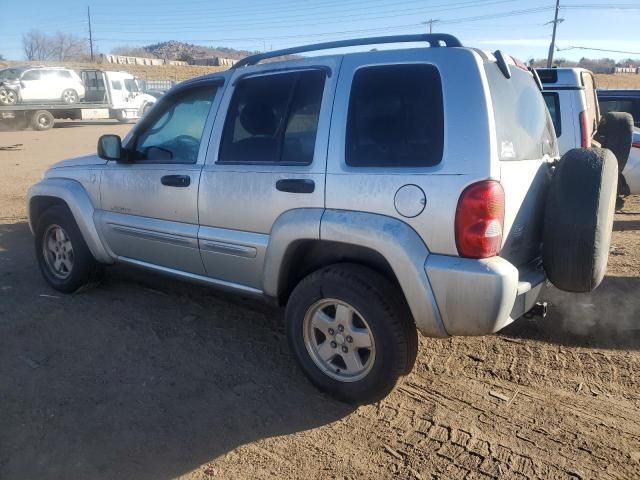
478 297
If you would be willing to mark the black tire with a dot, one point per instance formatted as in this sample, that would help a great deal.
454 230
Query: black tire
146 109
615 132
579 219
381 305
85 271
42 120
70 96
120 117
8 96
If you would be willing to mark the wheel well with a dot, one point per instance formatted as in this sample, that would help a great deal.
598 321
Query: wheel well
307 256
39 204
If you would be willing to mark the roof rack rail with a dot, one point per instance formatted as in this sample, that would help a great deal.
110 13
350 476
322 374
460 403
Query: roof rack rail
433 39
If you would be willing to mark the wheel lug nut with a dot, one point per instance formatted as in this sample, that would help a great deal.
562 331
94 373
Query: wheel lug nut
340 328
345 349
334 344
331 331
349 339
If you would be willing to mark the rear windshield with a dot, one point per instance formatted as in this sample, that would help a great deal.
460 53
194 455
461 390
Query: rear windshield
628 105
524 128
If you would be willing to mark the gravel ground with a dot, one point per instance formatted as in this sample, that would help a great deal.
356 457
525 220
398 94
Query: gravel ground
151 378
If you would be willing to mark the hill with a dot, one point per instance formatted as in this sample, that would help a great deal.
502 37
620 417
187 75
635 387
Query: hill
174 50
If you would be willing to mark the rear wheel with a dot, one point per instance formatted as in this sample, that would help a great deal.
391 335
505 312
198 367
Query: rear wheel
64 259
42 120
70 96
351 332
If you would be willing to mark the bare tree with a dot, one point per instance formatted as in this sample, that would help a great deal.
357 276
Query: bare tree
66 46
37 46
61 46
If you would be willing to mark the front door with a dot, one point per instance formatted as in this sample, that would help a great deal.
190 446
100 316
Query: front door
32 86
267 158
149 206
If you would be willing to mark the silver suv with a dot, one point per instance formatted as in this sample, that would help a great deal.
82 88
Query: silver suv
373 194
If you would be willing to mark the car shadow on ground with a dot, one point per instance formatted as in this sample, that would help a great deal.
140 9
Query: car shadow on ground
144 377
608 317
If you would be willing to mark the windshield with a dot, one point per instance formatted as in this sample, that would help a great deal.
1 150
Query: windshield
131 85
9 74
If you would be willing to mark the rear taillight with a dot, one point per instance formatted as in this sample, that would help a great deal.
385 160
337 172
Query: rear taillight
480 220
585 139
636 144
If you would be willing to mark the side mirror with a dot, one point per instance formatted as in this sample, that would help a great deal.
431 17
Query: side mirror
110 147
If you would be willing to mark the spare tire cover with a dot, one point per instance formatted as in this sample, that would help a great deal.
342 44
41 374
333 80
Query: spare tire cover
579 219
615 132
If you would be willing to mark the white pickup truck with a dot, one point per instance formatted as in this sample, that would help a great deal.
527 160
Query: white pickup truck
115 95
570 94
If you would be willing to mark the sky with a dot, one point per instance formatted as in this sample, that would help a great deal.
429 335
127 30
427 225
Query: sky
515 26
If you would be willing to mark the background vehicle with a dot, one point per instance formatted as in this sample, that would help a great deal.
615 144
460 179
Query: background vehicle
570 95
115 95
29 84
334 185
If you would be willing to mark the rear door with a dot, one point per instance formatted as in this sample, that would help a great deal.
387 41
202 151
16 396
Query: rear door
267 158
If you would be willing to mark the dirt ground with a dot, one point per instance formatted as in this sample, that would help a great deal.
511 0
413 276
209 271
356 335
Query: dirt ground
150 378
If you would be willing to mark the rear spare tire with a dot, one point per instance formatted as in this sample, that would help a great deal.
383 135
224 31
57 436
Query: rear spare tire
615 132
579 219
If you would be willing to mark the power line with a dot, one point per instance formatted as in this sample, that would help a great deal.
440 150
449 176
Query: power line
598 50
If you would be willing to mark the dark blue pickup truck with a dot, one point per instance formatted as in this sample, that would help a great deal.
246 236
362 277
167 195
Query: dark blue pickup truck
620 101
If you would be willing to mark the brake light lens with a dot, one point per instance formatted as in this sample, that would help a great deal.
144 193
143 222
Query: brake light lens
585 139
636 144
480 220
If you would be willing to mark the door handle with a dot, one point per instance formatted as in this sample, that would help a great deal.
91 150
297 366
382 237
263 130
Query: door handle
176 180
296 185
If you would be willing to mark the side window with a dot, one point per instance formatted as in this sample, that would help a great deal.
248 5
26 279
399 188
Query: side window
64 74
31 75
395 117
552 100
116 85
174 133
273 119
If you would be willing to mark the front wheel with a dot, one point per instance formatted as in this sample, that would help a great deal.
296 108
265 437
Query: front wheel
64 259
351 332
8 96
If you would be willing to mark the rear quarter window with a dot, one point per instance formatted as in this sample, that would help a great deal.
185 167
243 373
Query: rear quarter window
552 100
524 129
395 117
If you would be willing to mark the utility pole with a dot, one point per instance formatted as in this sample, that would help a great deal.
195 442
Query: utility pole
552 47
431 21
90 33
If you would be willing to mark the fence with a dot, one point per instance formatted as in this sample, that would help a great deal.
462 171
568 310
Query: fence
124 60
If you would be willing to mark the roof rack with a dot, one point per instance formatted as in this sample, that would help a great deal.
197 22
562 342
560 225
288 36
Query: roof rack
433 39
